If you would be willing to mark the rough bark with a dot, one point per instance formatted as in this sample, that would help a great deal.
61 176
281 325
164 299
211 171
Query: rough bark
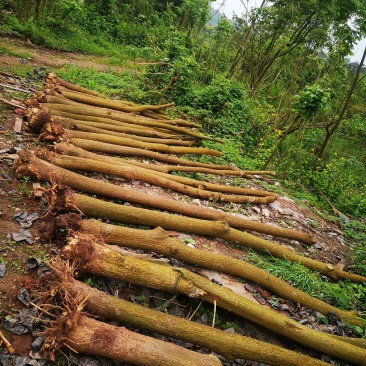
89 336
135 173
231 346
100 260
29 165
53 78
86 127
158 241
38 116
132 151
53 132
162 170
90 111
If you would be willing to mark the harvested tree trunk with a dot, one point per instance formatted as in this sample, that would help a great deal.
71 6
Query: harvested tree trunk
89 336
132 215
100 260
231 346
132 151
39 116
162 170
135 173
158 241
90 111
158 114
54 79
29 165
53 132
73 125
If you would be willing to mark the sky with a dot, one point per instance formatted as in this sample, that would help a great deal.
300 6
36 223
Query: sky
236 6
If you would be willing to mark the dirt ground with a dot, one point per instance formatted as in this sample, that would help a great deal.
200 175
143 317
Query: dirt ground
15 198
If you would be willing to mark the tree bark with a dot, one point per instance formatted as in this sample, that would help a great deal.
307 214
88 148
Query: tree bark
161 170
86 127
29 165
231 346
89 336
54 79
136 173
119 116
53 132
158 241
100 260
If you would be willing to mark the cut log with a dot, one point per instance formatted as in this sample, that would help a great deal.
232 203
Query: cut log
158 241
135 173
67 200
53 78
92 257
38 116
54 132
89 336
231 346
162 170
29 165
91 111
86 127
132 151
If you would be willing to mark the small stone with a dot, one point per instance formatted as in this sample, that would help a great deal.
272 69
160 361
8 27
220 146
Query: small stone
196 202
286 211
317 246
256 209
266 212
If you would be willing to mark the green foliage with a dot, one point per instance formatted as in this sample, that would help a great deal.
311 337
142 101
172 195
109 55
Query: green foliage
311 101
343 294
356 232
123 85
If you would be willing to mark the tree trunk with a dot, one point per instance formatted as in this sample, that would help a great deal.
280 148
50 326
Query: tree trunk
231 346
88 127
89 336
124 117
161 170
53 132
54 79
158 241
136 173
100 260
29 165
133 151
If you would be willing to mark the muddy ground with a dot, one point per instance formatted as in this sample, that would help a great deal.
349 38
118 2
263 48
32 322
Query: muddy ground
16 198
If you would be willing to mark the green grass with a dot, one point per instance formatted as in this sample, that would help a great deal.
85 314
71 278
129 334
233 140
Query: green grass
343 294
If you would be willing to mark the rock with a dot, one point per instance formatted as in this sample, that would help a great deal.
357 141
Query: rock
266 212
286 211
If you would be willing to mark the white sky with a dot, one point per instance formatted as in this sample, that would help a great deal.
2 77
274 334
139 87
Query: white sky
228 7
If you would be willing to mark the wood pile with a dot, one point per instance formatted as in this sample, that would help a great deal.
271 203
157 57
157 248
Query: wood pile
90 134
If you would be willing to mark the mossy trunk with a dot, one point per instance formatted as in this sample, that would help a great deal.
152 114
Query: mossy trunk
158 241
231 346
54 132
98 112
38 116
90 336
136 173
163 170
29 165
85 127
52 77
100 260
